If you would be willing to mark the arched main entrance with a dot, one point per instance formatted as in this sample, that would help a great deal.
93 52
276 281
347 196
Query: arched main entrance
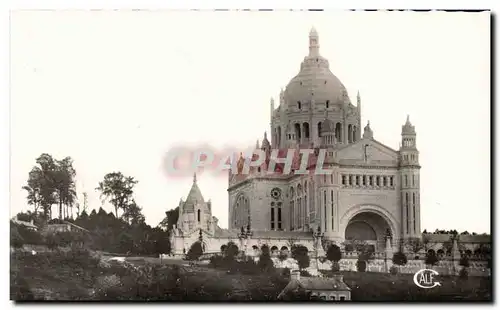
368 225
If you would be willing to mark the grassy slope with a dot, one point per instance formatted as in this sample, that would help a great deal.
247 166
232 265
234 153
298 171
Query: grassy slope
67 282
371 286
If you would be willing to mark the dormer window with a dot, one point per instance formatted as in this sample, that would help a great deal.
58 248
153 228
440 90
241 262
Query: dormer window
327 104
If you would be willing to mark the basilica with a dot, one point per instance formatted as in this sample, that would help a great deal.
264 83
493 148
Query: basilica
372 193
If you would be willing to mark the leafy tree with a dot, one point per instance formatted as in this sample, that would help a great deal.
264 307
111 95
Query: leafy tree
62 179
265 262
431 258
334 254
300 254
51 181
125 243
85 201
133 213
34 188
195 251
118 189
231 251
171 218
399 258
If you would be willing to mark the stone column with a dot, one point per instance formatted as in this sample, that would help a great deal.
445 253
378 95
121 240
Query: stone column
318 247
388 253
329 214
455 255
321 209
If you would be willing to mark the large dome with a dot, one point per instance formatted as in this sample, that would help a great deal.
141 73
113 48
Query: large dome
315 80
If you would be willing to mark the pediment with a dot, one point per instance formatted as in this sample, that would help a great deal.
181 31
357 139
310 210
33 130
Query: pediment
368 152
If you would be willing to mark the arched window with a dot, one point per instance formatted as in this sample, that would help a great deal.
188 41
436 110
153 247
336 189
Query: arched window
349 133
354 133
299 218
305 127
199 212
298 132
241 212
414 215
333 212
319 130
299 105
279 137
279 215
406 180
338 132
272 215
407 213
324 208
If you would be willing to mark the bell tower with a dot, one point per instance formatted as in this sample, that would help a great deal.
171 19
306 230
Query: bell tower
410 181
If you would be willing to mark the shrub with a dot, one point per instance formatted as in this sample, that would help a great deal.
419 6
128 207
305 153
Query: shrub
231 251
195 251
399 258
265 262
393 270
361 265
300 254
333 253
431 259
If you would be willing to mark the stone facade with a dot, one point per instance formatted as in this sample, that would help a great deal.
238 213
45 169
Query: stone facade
373 191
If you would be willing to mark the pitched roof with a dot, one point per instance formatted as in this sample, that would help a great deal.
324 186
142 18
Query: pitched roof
194 195
314 284
322 284
24 223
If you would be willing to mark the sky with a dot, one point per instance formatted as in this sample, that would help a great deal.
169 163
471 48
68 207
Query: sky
115 90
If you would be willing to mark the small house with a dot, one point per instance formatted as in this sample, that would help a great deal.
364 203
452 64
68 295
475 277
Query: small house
323 288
